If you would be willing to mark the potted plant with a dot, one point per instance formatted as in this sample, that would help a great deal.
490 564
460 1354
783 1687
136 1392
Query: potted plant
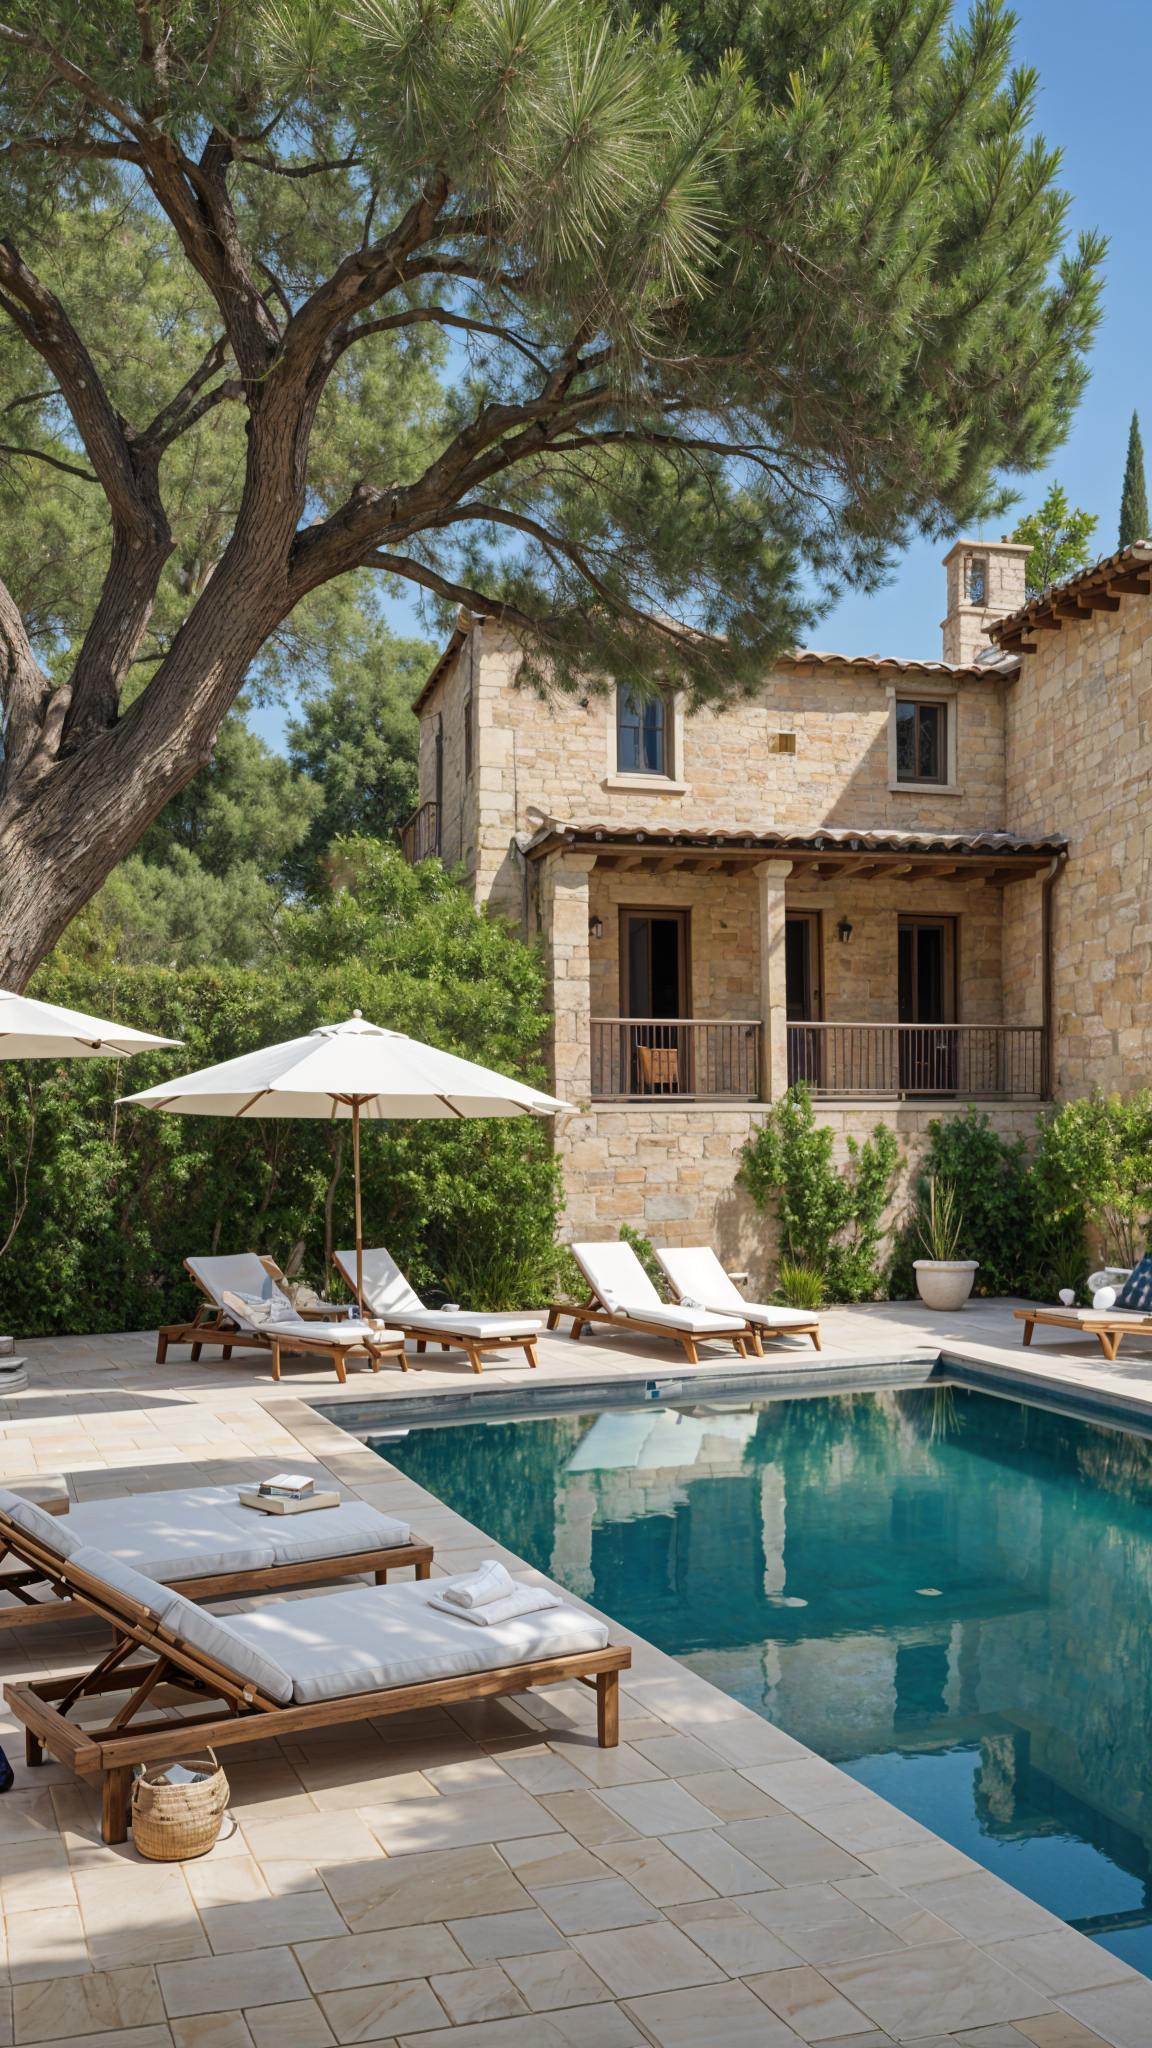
942 1280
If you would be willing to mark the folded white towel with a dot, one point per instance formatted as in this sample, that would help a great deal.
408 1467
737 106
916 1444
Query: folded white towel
475 1589
522 1600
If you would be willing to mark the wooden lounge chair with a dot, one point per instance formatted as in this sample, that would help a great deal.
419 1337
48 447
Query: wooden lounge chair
217 1322
284 1668
199 1540
388 1294
1110 1325
695 1271
623 1296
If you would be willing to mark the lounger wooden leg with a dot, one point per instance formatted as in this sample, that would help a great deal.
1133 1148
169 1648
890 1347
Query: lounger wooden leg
445 1347
341 1368
1110 1339
608 1709
530 1352
424 1571
33 1749
756 1342
226 1351
553 1318
420 1341
740 1346
816 1340
114 1804
161 1348
196 1349
473 1353
275 1359
690 1351
577 1329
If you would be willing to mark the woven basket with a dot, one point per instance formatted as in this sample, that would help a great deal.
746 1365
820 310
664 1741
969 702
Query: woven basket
172 1822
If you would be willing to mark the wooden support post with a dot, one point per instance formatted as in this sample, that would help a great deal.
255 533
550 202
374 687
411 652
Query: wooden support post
608 1709
116 1786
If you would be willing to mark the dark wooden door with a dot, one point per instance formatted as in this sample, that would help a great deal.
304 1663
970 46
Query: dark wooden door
927 996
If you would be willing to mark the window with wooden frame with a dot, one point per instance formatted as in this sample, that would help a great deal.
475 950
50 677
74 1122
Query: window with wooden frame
921 742
641 734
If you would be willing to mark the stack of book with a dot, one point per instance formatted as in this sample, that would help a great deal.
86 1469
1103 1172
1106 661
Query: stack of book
287 1494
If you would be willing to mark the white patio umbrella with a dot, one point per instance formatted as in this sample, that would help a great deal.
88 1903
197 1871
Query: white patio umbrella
350 1070
44 1031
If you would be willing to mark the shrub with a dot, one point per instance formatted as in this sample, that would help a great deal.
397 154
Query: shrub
800 1286
827 1220
992 1191
1094 1159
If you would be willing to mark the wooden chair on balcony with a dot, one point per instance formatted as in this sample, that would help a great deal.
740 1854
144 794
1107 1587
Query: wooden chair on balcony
659 1067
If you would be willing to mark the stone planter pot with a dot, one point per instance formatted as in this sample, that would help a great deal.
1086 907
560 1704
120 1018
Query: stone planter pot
945 1283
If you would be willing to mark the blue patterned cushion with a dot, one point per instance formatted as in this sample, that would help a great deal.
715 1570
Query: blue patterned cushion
1138 1287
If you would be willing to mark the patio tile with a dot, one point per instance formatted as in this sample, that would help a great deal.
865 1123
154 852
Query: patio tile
678 1756
622 1766
715 1860
589 1908
869 1823
656 1872
596 2026
526 2033
740 1944
660 1809
918 1863
552 1859
812 2007
636 1960
789 1850
804 1785
714 2012
130 2037
382 2011
555 1978
484 1994
981 1907
1060 1962
586 1817
1058 2030
544 1771
226 1881
139 1913
102 2002
384 1958
270 1923
795 1906
300 2024
48 1942
729 1795
949 1984
265 1976
211 2030
496 1935
405 1891
458 1820
315 1838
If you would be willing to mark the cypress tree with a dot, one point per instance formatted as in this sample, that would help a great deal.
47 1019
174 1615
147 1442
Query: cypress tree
1134 496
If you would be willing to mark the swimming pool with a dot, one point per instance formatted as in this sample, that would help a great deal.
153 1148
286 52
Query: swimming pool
947 1594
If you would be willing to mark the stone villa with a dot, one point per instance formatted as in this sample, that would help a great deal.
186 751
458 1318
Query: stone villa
914 884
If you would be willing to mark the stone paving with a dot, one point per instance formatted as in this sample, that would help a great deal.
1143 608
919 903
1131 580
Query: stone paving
485 1876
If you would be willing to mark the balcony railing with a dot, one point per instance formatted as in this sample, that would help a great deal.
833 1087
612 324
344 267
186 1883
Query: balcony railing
966 1060
641 1058
420 837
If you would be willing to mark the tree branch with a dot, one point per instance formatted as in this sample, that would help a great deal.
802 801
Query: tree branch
456 593
344 163
437 316
39 455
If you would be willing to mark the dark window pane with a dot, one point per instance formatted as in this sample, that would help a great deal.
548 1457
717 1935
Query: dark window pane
639 734
906 743
931 720
977 580
627 732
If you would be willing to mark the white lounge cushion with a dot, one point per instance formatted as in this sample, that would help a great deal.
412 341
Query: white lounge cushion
325 1532
386 1291
695 1322
241 1272
192 1625
464 1324
1080 1317
695 1270
184 1534
381 1636
615 1273
50 1530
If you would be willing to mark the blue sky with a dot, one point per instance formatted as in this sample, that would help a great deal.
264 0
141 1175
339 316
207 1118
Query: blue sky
1094 65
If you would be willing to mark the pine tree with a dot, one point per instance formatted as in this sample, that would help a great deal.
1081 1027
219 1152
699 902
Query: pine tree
1134 496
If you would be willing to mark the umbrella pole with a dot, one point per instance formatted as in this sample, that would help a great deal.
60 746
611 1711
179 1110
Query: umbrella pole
359 1231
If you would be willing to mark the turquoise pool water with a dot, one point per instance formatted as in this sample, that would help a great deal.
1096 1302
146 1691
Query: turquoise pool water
947 1594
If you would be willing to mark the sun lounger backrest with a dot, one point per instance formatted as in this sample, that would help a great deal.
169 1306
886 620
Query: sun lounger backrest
32 1521
386 1291
695 1271
239 1272
616 1275
195 1626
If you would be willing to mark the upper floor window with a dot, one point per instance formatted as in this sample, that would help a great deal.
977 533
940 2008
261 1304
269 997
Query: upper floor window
921 742
977 579
640 735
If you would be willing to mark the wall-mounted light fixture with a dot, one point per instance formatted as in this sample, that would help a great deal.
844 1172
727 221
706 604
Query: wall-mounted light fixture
595 928
843 931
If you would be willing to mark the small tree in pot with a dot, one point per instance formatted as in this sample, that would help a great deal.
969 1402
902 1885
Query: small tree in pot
943 1281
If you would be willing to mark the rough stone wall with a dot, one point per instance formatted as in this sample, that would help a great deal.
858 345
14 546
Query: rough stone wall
1079 760
672 1172
558 758
461 834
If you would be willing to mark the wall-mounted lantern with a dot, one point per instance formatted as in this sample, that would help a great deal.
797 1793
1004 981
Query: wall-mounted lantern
843 931
595 928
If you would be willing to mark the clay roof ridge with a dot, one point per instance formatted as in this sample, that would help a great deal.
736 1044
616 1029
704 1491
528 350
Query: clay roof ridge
1136 556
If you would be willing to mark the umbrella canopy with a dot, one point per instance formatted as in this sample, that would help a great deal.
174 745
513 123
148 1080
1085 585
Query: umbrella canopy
44 1031
345 1070
355 1069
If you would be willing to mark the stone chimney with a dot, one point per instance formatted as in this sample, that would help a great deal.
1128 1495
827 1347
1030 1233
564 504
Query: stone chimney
985 583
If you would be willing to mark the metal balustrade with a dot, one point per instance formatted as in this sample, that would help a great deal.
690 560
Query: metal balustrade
641 1058
971 1061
